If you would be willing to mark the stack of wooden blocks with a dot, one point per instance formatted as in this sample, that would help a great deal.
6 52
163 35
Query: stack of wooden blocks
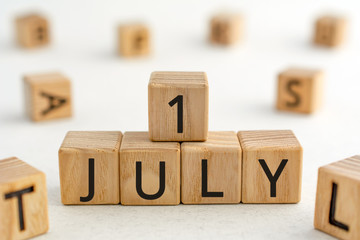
178 159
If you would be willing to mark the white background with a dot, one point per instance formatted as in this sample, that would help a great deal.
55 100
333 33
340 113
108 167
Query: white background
110 93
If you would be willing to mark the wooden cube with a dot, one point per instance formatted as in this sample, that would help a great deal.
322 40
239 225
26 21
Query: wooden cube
300 90
149 171
330 31
32 31
134 40
211 170
23 201
337 210
47 96
272 167
226 28
178 106
89 168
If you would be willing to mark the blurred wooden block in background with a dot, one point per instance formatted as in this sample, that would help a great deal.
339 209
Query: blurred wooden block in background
149 171
178 106
211 170
300 90
337 208
32 31
134 40
23 200
272 166
226 28
47 96
89 168
330 31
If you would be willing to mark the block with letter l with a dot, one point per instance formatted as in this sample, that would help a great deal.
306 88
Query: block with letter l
211 170
337 210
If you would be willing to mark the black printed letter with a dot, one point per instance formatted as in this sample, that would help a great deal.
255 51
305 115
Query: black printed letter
273 179
332 219
54 102
161 184
289 85
91 182
204 184
19 194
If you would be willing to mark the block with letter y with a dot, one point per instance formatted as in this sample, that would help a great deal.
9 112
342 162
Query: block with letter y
272 166
89 167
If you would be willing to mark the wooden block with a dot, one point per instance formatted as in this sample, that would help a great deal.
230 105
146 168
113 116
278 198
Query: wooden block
330 31
272 167
226 28
134 40
211 170
149 171
337 210
23 201
300 90
89 168
47 96
178 106
32 31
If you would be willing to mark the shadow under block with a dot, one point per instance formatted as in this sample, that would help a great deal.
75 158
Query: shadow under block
89 168
272 166
134 40
23 201
149 171
226 28
329 31
178 106
32 31
47 96
211 170
300 90
337 210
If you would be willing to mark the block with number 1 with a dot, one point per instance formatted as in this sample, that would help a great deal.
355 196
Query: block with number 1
178 106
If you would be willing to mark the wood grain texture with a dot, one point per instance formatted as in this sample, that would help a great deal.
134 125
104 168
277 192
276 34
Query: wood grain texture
47 96
134 40
300 90
330 31
226 28
137 147
346 175
16 175
272 147
74 154
163 118
223 154
32 31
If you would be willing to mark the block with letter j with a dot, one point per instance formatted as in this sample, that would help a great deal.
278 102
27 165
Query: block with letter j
89 167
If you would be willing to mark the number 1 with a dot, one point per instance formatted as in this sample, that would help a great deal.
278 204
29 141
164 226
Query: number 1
179 101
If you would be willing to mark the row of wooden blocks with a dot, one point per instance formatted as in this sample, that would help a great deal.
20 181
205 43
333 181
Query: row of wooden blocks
23 201
251 167
178 101
134 39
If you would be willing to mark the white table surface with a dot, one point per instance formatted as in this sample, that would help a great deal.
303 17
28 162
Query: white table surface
110 93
